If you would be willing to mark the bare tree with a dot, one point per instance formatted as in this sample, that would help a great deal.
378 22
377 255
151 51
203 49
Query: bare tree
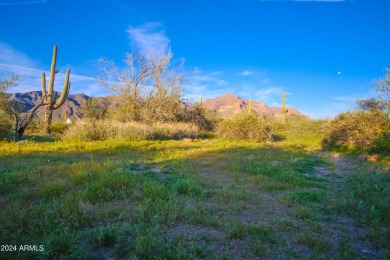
21 118
149 88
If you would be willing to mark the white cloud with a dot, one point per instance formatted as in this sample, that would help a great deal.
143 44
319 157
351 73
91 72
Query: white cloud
246 73
196 71
149 37
269 95
222 82
8 55
329 110
209 84
212 78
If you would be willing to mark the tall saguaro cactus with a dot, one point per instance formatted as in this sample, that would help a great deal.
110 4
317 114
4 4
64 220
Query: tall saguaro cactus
50 98
284 109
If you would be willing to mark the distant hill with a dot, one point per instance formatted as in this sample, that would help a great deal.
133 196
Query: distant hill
72 104
230 104
224 106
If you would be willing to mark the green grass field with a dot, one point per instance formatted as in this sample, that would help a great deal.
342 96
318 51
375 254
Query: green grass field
213 199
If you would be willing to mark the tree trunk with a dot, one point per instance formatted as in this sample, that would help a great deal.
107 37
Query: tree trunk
48 119
19 133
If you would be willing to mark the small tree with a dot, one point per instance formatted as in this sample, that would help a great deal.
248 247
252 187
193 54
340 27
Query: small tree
21 117
149 90
382 103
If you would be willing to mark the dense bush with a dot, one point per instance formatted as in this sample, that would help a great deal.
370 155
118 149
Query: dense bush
245 126
58 128
381 144
297 126
197 115
359 129
102 130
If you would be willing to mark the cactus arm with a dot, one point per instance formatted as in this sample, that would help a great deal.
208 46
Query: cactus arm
65 91
44 94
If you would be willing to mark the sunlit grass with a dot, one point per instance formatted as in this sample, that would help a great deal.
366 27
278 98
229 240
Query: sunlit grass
216 198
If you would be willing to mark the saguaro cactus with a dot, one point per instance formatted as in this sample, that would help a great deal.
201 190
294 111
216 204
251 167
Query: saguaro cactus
284 109
200 99
249 107
50 98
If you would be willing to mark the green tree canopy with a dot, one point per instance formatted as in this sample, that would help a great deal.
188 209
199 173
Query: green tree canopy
382 103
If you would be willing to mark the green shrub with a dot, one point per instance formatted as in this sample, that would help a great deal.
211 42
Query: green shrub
359 129
297 126
5 125
35 127
197 115
381 144
58 128
245 126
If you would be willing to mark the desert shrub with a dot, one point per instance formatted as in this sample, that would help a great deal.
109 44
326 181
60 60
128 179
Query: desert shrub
58 128
102 130
245 126
197 115
359 129
381 144
35 127
297 126
5 125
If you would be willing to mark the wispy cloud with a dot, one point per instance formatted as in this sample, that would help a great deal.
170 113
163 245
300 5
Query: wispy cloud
341 104
12 60
149 37
10 55
15 2
209 84
246 73
270 96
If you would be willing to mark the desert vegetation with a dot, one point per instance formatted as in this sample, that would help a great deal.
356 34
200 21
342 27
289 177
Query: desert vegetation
157 177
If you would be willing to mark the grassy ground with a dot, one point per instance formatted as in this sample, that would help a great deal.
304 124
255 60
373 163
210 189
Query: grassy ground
215 199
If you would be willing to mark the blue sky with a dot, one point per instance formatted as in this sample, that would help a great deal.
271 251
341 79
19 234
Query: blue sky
323 53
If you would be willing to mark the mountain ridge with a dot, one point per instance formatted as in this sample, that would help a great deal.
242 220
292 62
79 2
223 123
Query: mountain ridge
223 106
230 104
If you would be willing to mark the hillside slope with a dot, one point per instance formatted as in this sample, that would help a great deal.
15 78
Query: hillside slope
230 104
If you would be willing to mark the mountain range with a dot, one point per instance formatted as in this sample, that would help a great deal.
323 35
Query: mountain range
224 106
230 104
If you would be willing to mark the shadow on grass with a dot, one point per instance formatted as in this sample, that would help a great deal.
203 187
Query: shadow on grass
153 199
35 138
